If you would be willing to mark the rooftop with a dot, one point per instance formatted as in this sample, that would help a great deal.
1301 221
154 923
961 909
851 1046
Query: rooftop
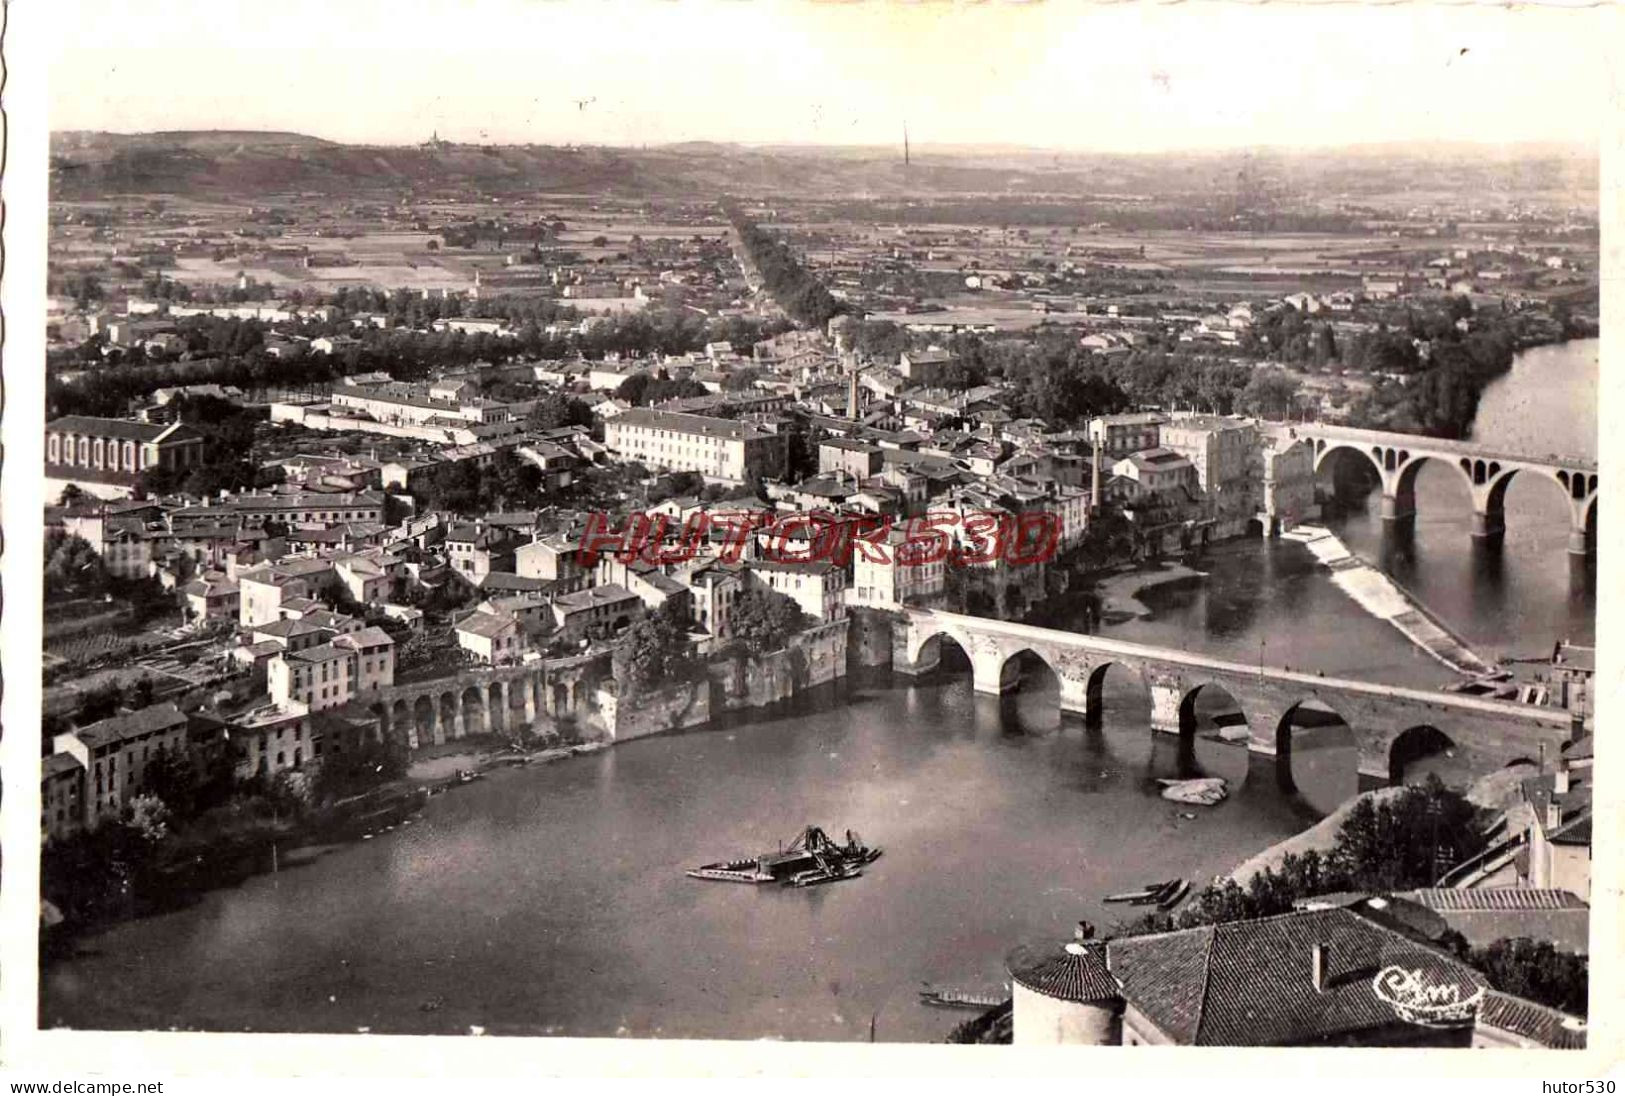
159 717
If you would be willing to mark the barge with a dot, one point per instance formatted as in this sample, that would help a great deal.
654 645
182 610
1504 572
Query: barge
810 859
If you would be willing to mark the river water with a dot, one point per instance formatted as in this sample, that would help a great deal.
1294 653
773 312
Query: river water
552 900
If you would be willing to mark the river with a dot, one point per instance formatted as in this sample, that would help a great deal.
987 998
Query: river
552 900
1521 599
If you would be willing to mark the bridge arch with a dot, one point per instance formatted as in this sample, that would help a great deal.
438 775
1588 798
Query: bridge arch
1409 467
1017 664
496 708
423 719
1346 471
1329 773
1495 498
400 721
1209 717
927 650
1415 744
1328 454
1124 679
473 711
450 724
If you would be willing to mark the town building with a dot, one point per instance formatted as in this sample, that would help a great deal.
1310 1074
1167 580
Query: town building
718 449
817 586
114 754
62 796
493 640
105 457
1133 432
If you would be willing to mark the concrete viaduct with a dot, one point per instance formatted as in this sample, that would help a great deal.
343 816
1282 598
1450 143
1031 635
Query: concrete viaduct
1390 724
481 700
1398 457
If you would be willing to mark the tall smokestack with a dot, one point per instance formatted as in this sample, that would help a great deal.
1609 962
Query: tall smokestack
1094 474
905 144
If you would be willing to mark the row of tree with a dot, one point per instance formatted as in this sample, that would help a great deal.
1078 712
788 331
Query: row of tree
797 291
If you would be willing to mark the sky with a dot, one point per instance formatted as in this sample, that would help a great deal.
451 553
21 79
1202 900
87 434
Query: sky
1064 74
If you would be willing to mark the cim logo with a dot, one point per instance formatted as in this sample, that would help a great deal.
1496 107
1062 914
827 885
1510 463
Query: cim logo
1417 1001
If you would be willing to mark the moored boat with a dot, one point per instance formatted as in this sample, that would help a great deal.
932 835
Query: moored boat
1144 894
1154 892
1174 897
956 998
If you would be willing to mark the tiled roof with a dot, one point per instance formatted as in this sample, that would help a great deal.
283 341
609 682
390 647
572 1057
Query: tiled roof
1546 1026
159 717
366 637
1248 983
118 428
1077 974
606 594
58 764
1495 898
324 652
485 625
1165 977
689 424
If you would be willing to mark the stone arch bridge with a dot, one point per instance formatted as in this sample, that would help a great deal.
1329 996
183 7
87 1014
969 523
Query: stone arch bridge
1397 458
1388 722
481 700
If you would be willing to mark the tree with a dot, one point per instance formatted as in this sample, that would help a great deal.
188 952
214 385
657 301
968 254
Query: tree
70 495
763 620
1406 841
1270 392
358 766
1536 970
554 409
149 817
655 649
72 567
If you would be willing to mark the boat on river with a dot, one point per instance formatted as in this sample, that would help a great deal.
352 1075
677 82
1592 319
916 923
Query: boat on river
1151 892
959 998
1174 897
812 858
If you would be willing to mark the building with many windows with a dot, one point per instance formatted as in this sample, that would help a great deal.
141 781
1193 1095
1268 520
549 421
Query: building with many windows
718 449
114 754
105 457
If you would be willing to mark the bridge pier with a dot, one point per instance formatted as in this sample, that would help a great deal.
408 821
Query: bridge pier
1165 702
1582 536
988 676
1075 700
1489 526
1399 509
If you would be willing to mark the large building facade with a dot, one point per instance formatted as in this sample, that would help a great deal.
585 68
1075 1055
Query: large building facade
718 449
107 456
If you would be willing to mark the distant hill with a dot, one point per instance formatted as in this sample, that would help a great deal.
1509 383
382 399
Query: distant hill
246 164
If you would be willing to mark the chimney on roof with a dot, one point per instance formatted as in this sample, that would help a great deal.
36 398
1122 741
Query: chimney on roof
1320 959
1543 757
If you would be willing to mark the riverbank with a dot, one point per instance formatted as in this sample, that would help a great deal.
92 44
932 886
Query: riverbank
1384 599
1119 592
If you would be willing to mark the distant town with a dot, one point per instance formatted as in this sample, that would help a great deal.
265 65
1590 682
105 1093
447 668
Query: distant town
345 492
